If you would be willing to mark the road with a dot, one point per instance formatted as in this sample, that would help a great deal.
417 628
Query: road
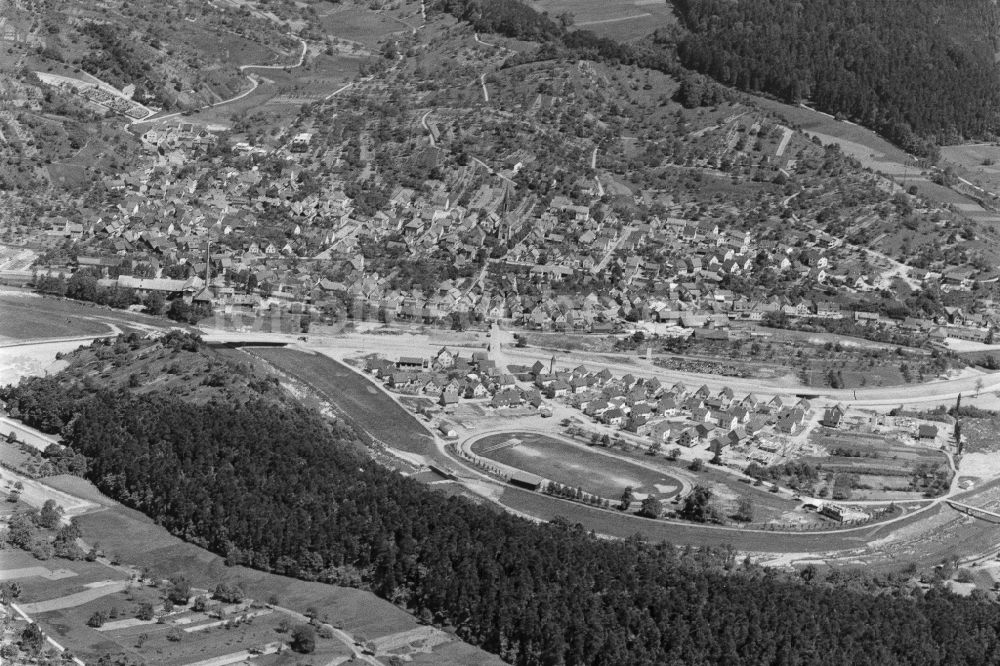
611 251
254 84
942 391
482 82
423 122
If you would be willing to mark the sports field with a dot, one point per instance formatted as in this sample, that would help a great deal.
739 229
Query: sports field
574 465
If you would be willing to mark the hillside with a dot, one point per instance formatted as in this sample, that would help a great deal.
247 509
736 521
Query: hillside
275 488
170 56
920 72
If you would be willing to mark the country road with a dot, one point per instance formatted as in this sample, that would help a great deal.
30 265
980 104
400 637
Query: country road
254 84
423 123
943 391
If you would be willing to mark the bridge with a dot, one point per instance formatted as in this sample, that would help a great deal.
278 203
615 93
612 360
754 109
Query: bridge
975 511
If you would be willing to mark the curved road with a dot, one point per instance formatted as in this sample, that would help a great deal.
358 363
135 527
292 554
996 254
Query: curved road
254 84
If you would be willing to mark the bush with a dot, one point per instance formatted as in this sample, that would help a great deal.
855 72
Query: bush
145 611
303 638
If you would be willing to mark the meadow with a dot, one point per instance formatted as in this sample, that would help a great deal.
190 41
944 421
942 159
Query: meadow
623 20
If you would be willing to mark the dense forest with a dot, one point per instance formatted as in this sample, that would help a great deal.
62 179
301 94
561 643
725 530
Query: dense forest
919 72
279 488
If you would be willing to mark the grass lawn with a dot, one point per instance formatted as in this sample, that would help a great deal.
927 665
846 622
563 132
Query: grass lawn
575 466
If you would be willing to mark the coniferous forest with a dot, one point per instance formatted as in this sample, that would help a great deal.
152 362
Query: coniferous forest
277 487
919 72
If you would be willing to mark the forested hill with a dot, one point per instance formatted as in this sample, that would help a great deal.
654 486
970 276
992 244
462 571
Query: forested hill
918 71
275 487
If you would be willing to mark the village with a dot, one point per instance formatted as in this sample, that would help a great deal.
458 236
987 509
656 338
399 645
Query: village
868 455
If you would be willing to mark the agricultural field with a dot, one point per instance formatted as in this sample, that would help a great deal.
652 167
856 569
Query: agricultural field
575 466
977 163
134 539
281 92
622 20
45 583
872 467
358 24
363 403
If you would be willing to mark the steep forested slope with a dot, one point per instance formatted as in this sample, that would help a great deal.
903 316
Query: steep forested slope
276 487
918 71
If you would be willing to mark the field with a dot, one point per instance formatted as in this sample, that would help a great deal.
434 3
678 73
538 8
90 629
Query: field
28 316
574 465
977 163
622 20
282 93
359 24
884 469
136 540
365 404
33 318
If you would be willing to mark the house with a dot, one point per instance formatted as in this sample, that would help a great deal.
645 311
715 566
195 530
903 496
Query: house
659 431
557 389
790 420
832 416
687 437
444 358
449 395
615 417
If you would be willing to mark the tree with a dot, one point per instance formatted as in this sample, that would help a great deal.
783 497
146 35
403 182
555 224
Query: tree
145 611
744 510
303 638
696 465
697 505
178 310
179 591
229 593
97 620
32 639
175 634
627 498
155 302
50 515
652 507
674 453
